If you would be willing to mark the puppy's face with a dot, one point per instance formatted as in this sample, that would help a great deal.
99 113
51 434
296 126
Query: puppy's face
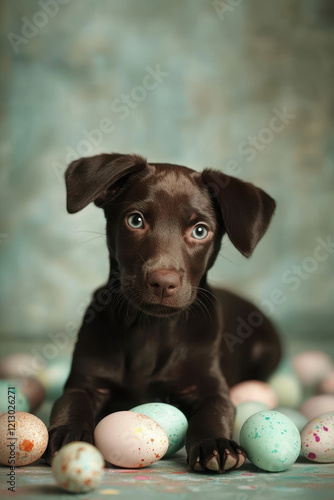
163 232
165 223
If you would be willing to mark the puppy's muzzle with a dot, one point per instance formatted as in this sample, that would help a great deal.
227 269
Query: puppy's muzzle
164 283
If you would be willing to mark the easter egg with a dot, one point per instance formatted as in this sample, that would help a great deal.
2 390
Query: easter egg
78 467
12 395
326 386
18 365
34 391
271 440
311 367
244 411
297 418
318 439
26 435
130 439
253 390
287 388
54 376
171 419
316 405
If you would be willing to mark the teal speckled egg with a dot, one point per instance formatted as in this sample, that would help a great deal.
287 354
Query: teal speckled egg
171 419
271 440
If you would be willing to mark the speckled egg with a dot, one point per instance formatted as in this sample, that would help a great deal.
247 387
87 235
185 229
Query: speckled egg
171 419
78 467
253 390
11 394
26 435
271 440
312 366
244 411
130 439
297 418
318 439
317 405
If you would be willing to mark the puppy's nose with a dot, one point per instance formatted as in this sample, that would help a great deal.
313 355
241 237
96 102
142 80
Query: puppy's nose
164 283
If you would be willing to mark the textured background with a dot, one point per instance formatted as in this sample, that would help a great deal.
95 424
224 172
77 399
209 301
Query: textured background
227 72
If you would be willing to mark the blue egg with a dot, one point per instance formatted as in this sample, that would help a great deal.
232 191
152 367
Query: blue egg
12 396
298 418
171 419
271 440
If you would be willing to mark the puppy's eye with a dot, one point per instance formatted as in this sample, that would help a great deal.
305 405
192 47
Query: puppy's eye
136 221
200 232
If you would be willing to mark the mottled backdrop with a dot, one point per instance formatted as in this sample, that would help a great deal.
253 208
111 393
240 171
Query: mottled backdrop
242 86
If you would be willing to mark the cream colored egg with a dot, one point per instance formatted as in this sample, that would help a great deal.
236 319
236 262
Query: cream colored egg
130 439
23 438
318 439
311 367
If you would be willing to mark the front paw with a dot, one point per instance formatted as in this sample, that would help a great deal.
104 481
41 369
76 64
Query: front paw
217 455
64 434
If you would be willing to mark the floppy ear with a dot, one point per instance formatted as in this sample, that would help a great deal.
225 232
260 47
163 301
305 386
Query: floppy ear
88 179
246 210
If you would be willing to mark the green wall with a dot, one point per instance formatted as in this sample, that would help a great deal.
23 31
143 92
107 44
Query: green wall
193 82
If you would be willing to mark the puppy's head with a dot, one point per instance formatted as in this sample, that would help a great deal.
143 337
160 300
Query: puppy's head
165 223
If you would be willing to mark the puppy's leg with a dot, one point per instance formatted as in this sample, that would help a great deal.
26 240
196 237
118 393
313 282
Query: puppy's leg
73 418
208 443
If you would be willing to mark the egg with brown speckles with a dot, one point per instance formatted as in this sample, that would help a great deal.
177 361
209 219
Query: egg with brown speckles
23 438
318 439
130 439
78 467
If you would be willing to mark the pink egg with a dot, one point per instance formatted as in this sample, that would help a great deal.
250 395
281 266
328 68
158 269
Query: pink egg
17 365
326 386
130 439
253 390
317 405
312 367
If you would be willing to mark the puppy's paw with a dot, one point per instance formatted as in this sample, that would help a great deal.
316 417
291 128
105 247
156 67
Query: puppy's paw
216 455
59 436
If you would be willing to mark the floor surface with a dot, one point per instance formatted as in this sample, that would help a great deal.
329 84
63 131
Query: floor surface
171 478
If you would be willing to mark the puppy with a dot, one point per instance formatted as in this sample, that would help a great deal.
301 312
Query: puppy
157 330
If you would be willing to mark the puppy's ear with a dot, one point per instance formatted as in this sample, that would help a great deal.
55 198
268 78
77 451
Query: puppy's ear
90 179
246 210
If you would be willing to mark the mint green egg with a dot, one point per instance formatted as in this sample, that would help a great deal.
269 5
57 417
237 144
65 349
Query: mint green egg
11 397
271 440
171 419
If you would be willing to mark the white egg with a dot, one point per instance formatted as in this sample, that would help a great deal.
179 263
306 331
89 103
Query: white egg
78 467
23 437
130 439
311 367
318 439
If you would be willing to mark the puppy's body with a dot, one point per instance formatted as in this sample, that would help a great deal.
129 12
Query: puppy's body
157 331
